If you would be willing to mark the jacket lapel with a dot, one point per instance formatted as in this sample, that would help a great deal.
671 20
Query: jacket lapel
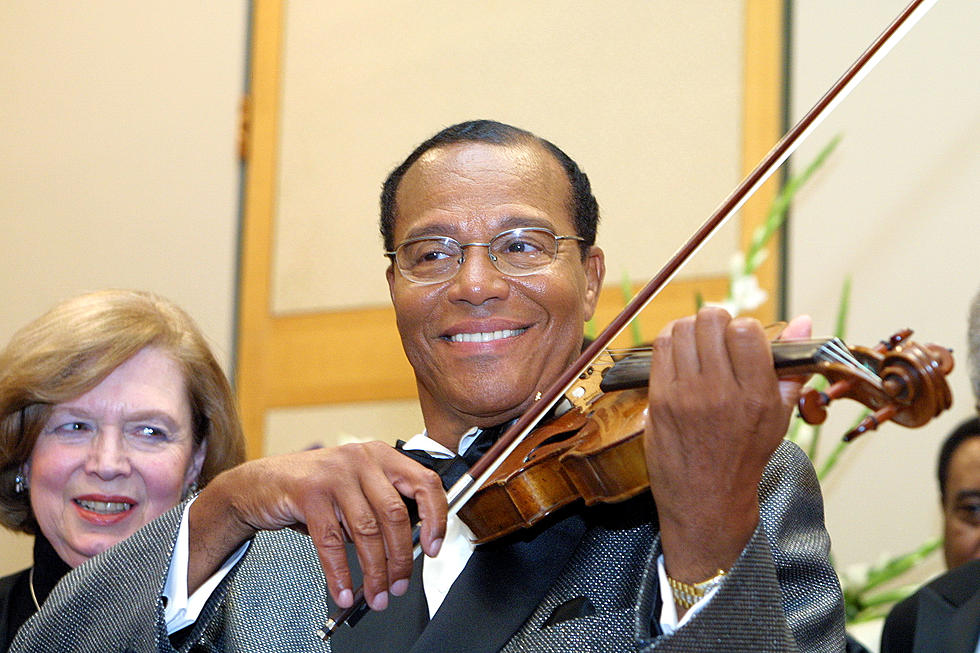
393 629
964 628
499 588
943 627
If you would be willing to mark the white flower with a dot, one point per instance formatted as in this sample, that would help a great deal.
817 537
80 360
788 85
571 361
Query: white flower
745 293
736 265
855 575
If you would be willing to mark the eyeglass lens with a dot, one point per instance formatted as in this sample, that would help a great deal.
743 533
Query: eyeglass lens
516 252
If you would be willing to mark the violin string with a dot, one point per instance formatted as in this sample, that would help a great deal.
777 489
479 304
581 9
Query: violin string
829 349
835 350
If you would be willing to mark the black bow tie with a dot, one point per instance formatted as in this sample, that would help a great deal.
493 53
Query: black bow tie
452 469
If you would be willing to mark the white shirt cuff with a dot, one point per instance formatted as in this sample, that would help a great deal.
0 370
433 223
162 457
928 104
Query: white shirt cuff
181 610
668 613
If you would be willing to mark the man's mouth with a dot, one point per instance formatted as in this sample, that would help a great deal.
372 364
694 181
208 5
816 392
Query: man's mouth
486 336
104 507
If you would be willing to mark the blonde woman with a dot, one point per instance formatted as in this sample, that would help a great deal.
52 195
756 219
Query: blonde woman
112 409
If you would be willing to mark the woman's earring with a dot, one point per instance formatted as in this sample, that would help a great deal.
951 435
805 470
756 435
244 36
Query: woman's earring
190 490
19 483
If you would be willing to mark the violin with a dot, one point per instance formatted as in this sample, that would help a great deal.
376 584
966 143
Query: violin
594 451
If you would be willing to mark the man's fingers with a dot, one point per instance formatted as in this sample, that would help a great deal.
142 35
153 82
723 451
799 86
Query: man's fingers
430 498
684 352
394 527
712 325
799 328
364 501
328 537
750 354
353 491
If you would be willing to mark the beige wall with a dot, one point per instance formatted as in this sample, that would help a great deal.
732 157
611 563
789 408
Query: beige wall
896 210
619 85
118 160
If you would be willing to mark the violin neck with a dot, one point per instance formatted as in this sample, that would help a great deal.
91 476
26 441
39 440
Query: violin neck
794 356
789 358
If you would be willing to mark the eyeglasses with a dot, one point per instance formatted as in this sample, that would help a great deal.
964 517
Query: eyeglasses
515 252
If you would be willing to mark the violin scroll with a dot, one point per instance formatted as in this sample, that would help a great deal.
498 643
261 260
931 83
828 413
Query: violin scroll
901 381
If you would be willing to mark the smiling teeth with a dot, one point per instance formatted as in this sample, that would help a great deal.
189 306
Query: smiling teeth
487 336
104 507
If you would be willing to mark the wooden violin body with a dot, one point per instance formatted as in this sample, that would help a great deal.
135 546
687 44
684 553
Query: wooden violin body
594 452
597 457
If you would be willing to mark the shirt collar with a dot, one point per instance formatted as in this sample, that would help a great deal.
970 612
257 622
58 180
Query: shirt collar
422 442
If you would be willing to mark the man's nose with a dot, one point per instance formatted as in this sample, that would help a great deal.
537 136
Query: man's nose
477 279
108 456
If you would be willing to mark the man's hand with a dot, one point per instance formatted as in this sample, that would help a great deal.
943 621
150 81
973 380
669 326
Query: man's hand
717 412
350 492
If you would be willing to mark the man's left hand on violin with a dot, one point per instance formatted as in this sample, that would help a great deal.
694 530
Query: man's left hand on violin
717 412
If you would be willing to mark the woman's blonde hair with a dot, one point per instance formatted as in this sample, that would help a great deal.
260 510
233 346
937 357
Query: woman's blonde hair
70 349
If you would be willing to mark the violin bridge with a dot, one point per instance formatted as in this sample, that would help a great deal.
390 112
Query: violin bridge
586 388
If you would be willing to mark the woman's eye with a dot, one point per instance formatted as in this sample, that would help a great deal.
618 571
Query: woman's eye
72 427
151 432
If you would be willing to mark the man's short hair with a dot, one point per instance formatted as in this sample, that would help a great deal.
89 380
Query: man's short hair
967 429
584 209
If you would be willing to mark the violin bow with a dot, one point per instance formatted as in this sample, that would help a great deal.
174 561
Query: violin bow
482 469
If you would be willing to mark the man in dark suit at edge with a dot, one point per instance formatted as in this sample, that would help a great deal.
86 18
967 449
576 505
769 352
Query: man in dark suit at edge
944 615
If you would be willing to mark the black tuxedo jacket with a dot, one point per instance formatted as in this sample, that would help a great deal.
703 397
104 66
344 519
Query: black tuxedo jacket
12 592
943 616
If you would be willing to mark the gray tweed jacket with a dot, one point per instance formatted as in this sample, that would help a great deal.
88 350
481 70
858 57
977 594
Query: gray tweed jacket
586 583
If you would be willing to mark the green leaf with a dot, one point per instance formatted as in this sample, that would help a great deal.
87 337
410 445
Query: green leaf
898 565
843 309
590 329
838 450
779 208
626 287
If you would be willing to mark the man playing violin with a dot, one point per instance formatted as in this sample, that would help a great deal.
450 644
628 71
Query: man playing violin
490 232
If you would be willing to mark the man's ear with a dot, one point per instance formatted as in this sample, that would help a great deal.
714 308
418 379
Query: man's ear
390 276
595 272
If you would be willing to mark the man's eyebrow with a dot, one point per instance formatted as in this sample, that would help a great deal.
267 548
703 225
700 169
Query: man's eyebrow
431 230
510 222
515 221
968 494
